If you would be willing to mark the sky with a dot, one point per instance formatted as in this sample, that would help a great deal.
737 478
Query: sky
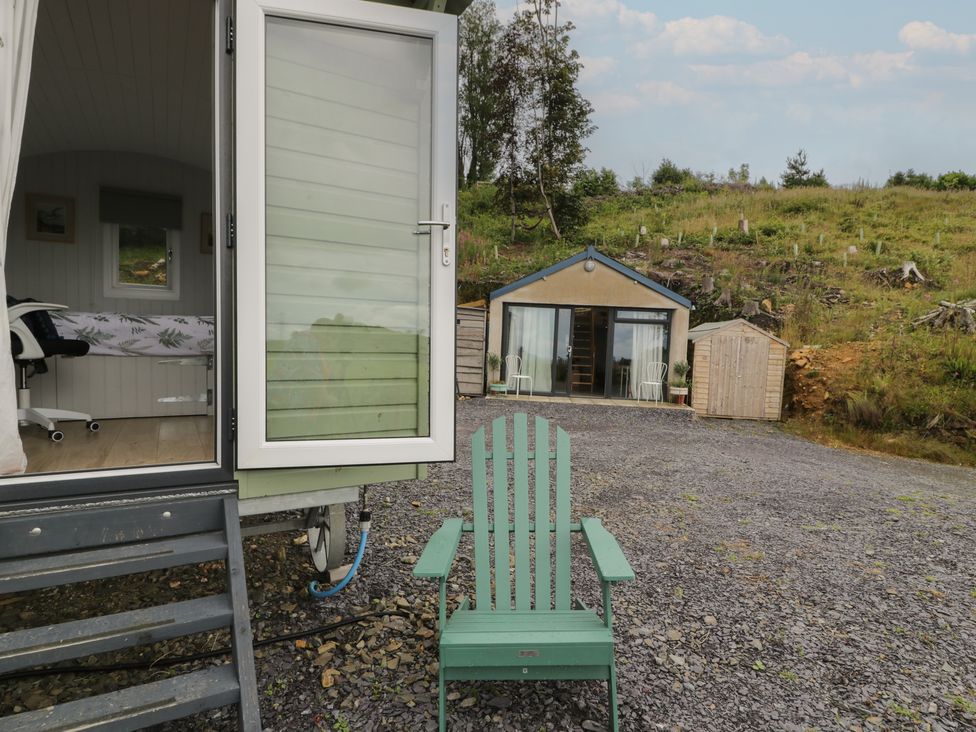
866 87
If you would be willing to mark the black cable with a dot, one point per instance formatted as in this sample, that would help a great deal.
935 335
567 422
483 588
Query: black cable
176 660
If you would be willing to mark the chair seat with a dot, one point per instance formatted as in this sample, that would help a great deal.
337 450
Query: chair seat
526 638
52 347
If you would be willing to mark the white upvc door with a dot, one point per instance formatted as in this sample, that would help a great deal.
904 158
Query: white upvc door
345 174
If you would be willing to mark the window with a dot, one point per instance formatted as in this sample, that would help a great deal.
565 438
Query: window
659 315
141 232
141 261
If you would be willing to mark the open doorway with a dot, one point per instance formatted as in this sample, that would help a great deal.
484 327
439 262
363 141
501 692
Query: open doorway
110 266
589 354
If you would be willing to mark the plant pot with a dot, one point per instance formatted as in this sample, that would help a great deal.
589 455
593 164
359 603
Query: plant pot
498 388
679 393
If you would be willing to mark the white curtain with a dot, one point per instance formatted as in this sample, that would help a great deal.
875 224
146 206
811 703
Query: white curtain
530 336
648 347
17 21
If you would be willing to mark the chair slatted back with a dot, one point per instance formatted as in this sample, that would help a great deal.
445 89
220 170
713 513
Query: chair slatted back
517 514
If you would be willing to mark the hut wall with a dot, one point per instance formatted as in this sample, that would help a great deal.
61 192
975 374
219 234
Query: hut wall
471 351
603 287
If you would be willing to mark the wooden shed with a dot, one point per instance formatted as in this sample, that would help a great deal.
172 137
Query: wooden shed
470 350
737 370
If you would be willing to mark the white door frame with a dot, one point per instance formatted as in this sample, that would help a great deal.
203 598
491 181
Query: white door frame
253 448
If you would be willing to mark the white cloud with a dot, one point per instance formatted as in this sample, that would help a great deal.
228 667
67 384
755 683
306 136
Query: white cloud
880 66
586 12
614 101
668 94
927 36
718 34
594 66
805 68
793 69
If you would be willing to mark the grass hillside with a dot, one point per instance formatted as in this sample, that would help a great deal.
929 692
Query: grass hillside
860 373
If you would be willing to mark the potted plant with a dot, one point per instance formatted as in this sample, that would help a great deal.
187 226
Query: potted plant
678 386
495 386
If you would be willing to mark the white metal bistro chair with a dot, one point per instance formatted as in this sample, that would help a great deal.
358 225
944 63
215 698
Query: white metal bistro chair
513 374
653 378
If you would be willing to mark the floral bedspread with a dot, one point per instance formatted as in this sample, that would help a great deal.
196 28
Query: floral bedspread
121 334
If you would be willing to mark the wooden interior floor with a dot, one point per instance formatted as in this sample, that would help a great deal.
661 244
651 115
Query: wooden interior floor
120 443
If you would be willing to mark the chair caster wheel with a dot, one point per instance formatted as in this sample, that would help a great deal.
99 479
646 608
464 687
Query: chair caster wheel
55 435
92 426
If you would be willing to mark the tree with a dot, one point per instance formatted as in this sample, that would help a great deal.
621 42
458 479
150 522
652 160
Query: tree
510 83
543 119
669 174
479 149
911 179
798 175
593 182
739 176
560 114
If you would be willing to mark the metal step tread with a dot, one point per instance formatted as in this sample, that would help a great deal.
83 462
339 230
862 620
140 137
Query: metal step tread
77 638
137 706
31 573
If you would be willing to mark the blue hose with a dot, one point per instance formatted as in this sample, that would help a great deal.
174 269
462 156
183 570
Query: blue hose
313 586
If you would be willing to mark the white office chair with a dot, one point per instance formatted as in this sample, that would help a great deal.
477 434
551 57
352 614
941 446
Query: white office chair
28 347
514 375
653 378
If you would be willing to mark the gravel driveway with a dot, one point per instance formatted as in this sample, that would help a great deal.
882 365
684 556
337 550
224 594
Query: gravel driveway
781 585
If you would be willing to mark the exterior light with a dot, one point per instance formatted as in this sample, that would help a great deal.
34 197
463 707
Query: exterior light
589 265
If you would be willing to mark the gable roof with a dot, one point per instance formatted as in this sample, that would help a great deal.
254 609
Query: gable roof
706 329
591 253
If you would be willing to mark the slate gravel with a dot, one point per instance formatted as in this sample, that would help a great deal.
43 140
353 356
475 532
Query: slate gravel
781 585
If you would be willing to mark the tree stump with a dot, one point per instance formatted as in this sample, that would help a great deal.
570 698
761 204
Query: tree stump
708 285
750 309
743 224
910 273
724 299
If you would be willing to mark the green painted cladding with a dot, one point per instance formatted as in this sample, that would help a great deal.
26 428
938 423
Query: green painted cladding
260 483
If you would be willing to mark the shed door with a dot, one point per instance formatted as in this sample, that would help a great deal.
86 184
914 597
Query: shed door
345 256
737 376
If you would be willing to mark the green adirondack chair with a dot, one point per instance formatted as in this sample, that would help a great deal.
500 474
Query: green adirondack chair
544 639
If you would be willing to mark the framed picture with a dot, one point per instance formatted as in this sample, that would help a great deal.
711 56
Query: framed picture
50 218
206 233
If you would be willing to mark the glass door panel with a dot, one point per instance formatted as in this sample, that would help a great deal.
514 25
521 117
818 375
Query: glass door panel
635 347
345 278
530 335
348 154
564 351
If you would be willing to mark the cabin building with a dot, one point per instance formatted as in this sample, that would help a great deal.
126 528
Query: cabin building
588 326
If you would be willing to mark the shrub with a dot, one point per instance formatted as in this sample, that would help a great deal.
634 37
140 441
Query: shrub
911 179
956 181
863 410
593 182
569 211
669 174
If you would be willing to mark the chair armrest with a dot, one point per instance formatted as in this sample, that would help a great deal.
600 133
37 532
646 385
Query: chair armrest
610 562
14 312
438 555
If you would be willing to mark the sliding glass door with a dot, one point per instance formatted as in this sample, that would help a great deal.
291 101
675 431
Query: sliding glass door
531 334
640 339
585 351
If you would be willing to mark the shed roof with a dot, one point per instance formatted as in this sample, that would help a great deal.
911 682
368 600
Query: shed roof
591 253
706 329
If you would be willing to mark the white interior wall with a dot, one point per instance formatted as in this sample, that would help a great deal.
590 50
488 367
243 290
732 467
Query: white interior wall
72 275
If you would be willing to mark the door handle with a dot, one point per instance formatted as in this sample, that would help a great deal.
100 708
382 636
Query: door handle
446 239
